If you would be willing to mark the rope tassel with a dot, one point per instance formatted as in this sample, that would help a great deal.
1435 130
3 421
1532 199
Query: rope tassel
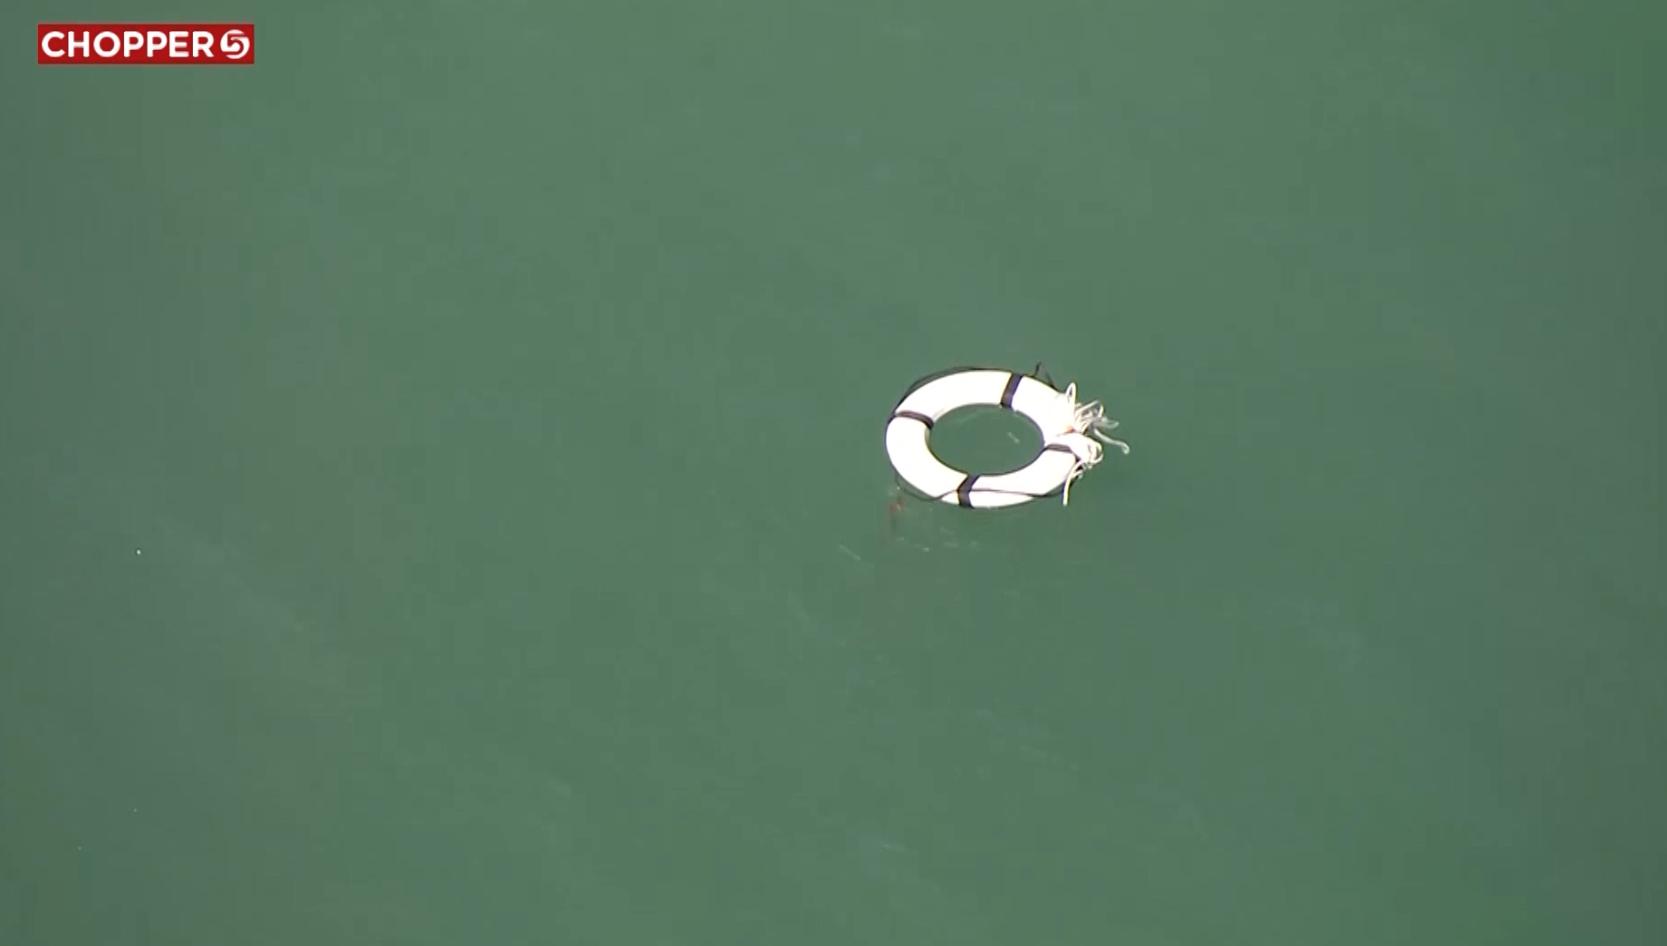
1090 421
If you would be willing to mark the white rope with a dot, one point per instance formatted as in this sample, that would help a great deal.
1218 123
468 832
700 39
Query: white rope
1089 419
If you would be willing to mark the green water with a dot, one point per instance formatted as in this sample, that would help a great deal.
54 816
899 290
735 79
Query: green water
442 497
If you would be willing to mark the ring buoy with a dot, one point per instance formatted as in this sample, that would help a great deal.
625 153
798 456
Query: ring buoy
1072 435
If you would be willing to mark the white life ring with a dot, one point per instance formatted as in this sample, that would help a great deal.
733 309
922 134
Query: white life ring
1067 447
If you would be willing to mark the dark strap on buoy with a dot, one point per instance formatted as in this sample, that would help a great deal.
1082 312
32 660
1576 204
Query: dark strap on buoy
915 415
1011 389
963 494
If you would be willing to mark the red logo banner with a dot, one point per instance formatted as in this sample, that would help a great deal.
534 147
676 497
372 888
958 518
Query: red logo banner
145 44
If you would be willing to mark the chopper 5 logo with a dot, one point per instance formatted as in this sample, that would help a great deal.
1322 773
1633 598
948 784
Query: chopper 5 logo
149 44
